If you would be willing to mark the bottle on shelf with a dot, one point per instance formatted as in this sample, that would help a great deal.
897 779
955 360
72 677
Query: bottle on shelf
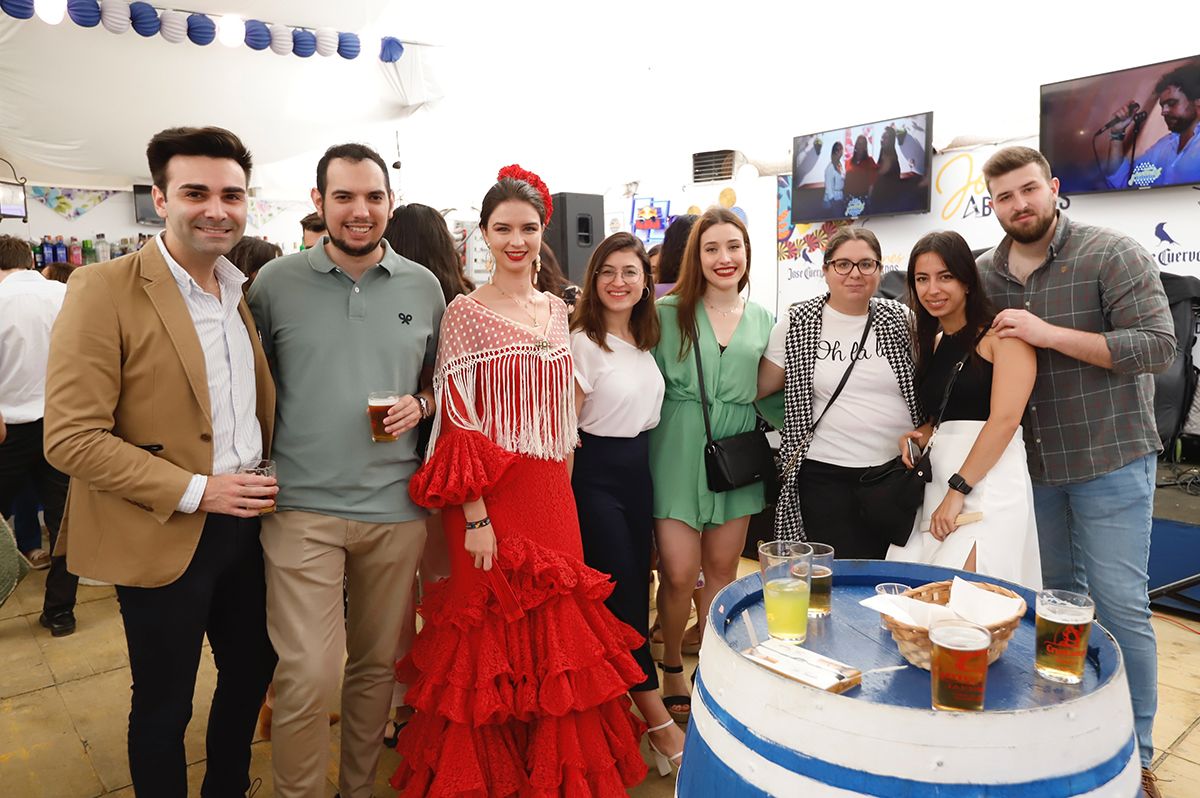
38 261
103 248
47 250
88 251
75 252
60 250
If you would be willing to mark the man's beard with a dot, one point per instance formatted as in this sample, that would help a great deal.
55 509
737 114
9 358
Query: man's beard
354 252
1029 235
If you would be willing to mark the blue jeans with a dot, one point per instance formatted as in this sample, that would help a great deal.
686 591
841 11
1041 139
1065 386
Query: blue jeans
1095 538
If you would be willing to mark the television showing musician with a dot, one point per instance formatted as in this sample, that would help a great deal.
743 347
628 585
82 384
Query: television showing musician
876 169
1132 129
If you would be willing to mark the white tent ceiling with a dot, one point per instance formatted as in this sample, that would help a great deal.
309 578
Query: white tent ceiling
590 95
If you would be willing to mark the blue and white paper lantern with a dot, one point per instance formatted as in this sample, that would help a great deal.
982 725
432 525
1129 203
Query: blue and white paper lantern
114 15
348 46
390 49
144 18
17 9
258 36
281 39
304 43
201 30
327 42
173 25
84 13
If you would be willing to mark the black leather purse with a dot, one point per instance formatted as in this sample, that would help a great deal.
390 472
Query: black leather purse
889 495
738 460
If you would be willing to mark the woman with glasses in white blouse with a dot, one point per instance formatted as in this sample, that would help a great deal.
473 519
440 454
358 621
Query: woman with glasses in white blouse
827 446
619 392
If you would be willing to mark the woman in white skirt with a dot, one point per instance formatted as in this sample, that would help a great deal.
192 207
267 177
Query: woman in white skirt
978 510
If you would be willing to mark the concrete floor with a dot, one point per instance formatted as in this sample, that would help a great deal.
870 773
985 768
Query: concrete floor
64 702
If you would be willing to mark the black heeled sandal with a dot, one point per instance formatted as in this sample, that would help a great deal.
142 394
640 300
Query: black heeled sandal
680 716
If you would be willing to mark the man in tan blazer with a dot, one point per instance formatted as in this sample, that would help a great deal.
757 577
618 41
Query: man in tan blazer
157 396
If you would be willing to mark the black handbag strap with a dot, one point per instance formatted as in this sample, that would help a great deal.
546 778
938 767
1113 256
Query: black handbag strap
700 375
962 361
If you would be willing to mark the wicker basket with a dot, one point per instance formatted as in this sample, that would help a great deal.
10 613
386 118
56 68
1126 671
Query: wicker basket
914 641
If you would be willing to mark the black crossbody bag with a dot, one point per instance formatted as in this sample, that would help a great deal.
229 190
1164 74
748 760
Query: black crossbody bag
889 495
738 460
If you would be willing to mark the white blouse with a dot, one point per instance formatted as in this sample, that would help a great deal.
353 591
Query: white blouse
623 388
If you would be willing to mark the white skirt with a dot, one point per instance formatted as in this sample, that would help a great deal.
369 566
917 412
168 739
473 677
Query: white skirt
1005 538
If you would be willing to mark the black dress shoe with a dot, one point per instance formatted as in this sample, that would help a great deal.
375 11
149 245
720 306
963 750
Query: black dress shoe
60 625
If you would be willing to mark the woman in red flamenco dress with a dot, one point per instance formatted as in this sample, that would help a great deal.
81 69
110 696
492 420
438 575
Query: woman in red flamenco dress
519 676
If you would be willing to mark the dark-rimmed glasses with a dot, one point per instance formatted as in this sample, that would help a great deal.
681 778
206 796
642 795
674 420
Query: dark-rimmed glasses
866 266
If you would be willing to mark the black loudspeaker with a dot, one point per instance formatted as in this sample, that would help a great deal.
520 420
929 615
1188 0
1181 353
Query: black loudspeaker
575 229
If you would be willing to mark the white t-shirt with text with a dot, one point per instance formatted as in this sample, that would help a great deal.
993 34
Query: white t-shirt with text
865 423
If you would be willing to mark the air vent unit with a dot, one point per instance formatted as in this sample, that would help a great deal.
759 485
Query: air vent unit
711 167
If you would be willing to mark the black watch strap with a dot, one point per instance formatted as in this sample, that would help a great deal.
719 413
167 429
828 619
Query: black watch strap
956 482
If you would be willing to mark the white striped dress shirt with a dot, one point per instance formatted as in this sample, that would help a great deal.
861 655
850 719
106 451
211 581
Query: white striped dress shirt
229 365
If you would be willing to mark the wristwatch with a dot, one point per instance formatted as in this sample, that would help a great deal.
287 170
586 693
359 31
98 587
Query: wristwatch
423 403
956 482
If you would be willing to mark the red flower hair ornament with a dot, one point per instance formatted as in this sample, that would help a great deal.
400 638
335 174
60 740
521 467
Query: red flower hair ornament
515 172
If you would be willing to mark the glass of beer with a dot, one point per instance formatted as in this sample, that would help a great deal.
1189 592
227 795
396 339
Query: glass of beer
378 405
822 580
786 576
261 468
1064 621
958 664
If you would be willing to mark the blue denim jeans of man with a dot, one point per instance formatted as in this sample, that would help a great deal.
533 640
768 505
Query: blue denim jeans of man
1095 538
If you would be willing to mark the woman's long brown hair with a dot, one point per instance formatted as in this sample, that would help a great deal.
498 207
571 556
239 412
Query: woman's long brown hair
589 310
691 284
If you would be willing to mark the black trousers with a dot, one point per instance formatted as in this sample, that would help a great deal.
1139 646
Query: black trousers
614 496
830 512
23 461
222 594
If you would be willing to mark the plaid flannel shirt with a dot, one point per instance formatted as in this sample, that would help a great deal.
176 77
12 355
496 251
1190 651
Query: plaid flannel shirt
1084 421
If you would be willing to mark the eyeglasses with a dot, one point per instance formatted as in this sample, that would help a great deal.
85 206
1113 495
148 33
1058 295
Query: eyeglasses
866 266
630 274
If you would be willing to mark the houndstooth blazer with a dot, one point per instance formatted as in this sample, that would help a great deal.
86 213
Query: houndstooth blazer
891 320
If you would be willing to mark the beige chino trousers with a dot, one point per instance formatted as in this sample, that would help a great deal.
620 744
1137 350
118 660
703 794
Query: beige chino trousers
307 555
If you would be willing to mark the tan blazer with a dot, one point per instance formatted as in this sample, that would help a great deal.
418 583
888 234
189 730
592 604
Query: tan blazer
128 418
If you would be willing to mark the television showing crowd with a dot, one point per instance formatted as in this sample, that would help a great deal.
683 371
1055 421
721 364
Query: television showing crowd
281 452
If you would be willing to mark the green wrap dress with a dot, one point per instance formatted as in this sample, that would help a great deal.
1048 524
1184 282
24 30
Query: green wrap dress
677 443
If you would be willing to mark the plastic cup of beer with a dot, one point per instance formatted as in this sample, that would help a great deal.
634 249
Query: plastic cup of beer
261 468
958 664
786 576
378 405
822 580
1064 622
888 589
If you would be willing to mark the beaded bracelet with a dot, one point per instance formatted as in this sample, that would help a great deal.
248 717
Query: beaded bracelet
480 524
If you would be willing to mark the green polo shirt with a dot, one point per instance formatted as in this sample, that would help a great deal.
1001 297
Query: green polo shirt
331 341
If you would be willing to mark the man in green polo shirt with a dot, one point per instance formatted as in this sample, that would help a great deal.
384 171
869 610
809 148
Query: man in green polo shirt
338 321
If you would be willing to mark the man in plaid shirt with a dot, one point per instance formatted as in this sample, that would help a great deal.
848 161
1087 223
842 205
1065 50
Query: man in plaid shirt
1092 303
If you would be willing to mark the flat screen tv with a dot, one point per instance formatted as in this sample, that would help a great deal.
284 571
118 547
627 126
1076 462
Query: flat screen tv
143 207
1131 129
12 201
876 169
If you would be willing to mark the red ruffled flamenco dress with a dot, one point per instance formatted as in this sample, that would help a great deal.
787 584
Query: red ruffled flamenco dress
519 675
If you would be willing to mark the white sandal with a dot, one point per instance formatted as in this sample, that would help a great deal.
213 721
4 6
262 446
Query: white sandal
664 763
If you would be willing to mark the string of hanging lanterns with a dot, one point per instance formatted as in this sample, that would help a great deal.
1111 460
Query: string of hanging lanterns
231 30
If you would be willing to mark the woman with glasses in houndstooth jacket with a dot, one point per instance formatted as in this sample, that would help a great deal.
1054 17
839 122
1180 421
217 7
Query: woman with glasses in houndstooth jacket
808 355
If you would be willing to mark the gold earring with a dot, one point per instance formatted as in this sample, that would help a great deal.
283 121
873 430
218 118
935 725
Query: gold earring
537 268
490 265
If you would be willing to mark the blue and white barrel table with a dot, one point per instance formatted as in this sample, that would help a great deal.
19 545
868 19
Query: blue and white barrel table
754 733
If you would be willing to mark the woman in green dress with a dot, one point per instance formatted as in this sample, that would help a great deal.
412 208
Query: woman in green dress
694 526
